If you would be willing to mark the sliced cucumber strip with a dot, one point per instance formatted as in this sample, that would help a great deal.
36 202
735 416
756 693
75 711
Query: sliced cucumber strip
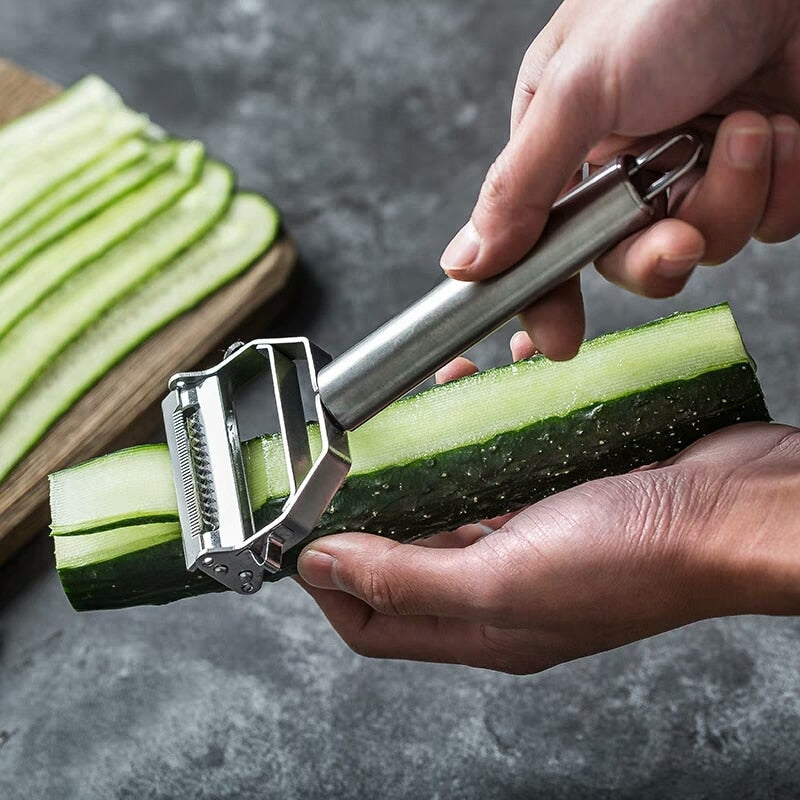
129 152
246 230
151 551
80 551
488 404
26 287
74 491
63 155
22 135
467 450
40 335
158 159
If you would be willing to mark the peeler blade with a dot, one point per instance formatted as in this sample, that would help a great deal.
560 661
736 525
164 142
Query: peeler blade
218 523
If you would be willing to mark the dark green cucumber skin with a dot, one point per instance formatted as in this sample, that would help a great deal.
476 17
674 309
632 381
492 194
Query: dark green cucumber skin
480 481
153 576
518 468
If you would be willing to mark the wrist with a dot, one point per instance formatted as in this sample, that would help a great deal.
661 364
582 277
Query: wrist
759 560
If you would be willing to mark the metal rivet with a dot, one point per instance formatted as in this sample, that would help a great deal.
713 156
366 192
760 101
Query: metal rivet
220 569
208 561
247 588
245 574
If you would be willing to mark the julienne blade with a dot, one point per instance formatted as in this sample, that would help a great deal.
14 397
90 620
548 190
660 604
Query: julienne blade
246 230
32 344
30 283
457 453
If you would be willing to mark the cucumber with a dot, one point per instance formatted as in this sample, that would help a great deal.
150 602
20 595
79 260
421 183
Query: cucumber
28 285
471 449
120 157
246 230
62 155
157 160
38 337
24 135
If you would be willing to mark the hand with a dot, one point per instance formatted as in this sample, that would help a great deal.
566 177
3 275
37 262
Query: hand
713 532
603 77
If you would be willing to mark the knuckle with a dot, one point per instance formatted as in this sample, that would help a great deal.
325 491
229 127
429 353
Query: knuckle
382 592
595 78
492 595
497 190
534 63
787 446
504 194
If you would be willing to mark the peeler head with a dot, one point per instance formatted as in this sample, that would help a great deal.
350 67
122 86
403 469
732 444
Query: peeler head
218 527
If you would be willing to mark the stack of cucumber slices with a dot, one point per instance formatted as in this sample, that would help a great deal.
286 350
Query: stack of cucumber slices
471 449
109 229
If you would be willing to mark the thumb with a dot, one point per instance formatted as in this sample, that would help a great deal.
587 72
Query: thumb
399 579
561 124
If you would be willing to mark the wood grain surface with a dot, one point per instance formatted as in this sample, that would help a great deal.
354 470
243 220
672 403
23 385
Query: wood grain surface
125 405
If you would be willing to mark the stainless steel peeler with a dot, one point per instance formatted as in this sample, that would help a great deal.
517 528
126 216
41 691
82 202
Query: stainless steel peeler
220 534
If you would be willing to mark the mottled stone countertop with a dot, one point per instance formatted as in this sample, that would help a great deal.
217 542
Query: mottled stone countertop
371 125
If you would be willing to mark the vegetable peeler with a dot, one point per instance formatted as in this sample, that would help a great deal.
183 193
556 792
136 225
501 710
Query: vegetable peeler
218 522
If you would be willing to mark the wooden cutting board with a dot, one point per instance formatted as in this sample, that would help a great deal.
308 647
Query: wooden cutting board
125 405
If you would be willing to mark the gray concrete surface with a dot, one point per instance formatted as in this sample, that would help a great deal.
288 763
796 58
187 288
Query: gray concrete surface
371 124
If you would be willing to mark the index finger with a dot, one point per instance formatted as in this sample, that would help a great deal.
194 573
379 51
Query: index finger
565 117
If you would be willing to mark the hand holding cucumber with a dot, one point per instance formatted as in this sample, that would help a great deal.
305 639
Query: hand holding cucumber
712 532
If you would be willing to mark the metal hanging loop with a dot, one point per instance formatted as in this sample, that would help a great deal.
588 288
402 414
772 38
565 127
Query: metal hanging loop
672 176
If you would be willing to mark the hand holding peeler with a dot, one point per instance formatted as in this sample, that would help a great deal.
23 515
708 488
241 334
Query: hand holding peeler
218 524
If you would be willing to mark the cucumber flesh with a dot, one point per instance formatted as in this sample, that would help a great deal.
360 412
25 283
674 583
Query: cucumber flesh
246 230
158 566
158 159
68 152
28 285
24 135
124 155
488 404
471 449
38 337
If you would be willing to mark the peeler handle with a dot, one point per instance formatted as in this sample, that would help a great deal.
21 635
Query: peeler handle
597 214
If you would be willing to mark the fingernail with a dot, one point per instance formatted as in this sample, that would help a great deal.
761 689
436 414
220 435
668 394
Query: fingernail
747 147
318 569
676 266
521 342
462 250
520 339
785 143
